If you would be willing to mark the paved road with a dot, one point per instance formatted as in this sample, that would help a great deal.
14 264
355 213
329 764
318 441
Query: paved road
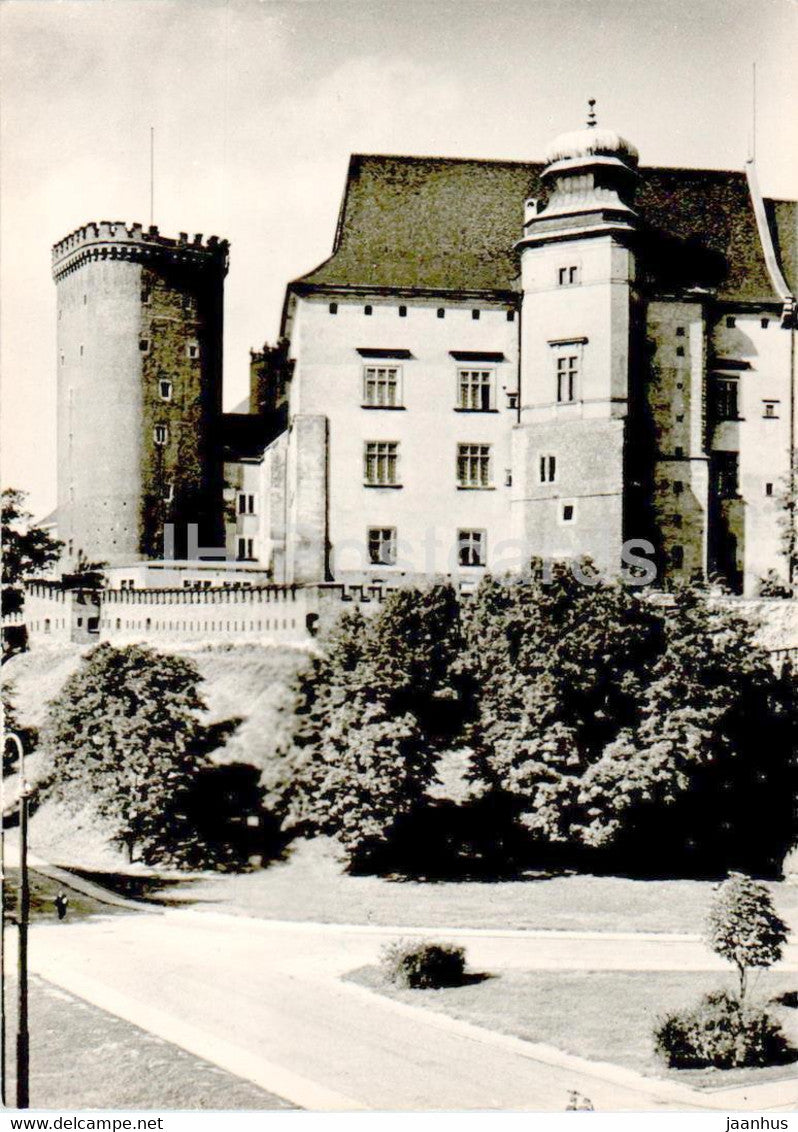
264 999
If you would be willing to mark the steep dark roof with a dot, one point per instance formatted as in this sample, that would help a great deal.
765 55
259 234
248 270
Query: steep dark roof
450 224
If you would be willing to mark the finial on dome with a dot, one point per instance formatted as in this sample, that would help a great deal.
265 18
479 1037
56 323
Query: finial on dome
591 114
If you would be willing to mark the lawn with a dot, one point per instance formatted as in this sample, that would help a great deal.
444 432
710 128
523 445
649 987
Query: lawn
43 890
310 885
84 1058
598 1015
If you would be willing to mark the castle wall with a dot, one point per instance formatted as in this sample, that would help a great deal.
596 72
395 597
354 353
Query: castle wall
427 509
763 375
676 402
267 614
579 508
56 615
139 350
100 412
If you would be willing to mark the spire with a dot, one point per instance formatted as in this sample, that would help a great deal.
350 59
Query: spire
591 113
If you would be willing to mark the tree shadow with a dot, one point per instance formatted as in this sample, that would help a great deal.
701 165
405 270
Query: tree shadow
134 886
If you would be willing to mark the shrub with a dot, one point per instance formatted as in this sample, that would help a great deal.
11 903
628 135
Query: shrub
721 1032
743 926
423 965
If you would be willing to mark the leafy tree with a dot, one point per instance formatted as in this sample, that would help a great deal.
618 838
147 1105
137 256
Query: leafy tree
708 772
370 717
744 928
123 733
561 668
28 550
87 575
10 721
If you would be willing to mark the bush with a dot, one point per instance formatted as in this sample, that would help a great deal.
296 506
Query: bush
423 965
721 1032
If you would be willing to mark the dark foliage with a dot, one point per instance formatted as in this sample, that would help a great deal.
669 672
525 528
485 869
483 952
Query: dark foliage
28 550
720 1032
423 965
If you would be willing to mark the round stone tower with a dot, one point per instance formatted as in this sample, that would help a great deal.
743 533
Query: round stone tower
139 391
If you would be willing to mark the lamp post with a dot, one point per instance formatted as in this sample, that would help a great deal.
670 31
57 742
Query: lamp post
24 911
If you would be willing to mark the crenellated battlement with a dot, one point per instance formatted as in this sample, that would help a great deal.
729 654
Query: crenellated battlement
115 239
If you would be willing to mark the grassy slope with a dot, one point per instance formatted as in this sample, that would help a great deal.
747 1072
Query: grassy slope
599 1015
310 885
246 683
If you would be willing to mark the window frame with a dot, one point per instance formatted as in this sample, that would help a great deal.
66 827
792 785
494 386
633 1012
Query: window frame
392 479
547 468
569 275
568 366
160 428
469 540
725 397
165 381
376 542
476 474
487 376
397 385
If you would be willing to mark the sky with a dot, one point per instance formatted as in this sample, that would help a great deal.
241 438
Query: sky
258 104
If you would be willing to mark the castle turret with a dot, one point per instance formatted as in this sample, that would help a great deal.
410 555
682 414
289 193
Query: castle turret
139 389
578 281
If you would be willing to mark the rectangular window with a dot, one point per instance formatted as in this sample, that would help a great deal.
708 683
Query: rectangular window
568 276
473 465
165 389
367 309
567 377
160 434
403 311
246 504
764 323
731 321
381 463
192 350
680 332
382 546
246 549
441 312
511 316
475 314
678 487
475 389
144 345
724 397
768 489
548 469
472 548
168 492
726 468
381 387
770 410
568 513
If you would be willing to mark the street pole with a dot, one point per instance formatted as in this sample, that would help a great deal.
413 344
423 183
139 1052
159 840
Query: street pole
9 735
23 1041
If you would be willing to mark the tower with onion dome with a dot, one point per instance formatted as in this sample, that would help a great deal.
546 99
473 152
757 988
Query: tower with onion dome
578 277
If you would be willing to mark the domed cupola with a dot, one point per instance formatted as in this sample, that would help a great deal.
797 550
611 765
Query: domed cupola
579 147
591 177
